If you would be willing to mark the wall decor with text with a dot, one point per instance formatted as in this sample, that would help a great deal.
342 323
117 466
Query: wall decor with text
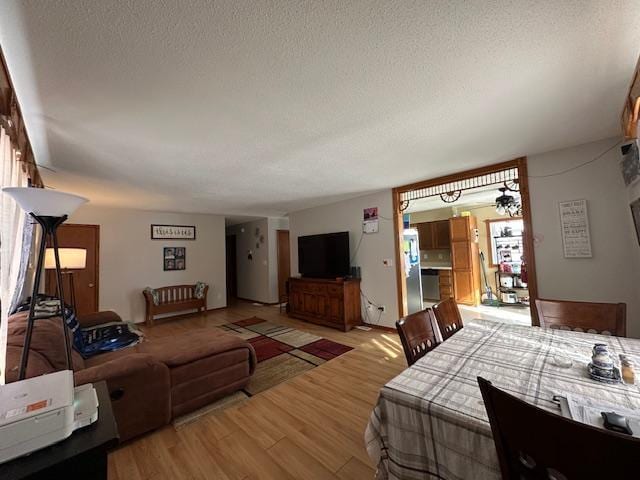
173 232
174 258
574 221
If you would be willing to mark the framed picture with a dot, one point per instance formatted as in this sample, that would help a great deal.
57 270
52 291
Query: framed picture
174 258
173 232
635 212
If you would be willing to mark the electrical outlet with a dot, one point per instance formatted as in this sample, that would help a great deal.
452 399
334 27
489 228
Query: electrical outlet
382 308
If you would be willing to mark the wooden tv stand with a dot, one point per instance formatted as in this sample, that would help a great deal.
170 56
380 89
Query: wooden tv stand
333 303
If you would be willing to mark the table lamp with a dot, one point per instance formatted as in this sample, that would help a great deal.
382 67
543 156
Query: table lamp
50 209
70 259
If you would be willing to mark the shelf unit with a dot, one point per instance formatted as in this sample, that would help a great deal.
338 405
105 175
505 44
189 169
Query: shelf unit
517 290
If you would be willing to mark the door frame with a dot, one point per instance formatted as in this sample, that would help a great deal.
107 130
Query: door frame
519 163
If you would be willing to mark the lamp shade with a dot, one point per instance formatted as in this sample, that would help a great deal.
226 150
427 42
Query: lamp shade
75 258
43 202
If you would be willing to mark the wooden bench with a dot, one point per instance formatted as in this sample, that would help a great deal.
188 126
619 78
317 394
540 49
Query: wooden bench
176 298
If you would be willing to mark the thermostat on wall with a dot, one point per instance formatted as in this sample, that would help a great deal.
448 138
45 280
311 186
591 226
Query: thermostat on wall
370 226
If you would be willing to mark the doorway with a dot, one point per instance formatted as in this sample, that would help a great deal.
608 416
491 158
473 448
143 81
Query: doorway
284 263
84 280
448 217
232 268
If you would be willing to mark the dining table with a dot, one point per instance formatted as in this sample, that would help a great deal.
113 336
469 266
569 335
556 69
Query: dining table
430 421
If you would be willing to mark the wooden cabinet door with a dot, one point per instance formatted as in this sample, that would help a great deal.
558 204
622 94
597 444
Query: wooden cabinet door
309 304
425 236
464 291
295 301
441 235
460 256
335 309
459 229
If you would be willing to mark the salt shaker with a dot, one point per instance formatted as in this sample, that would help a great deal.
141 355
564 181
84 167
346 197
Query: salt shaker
628 372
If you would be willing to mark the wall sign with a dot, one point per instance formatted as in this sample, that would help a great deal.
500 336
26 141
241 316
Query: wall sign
574 221
173 232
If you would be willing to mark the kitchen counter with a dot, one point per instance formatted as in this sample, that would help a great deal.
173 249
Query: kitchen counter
435 267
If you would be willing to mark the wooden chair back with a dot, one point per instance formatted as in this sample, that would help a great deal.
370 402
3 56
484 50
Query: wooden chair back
533 443
448 317
417 335
603 318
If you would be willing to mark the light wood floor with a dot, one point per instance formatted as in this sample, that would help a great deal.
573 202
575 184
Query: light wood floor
311 427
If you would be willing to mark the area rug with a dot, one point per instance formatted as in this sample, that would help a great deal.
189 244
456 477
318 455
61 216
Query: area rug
282 353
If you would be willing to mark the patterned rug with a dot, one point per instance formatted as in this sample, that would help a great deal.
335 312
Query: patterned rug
282 353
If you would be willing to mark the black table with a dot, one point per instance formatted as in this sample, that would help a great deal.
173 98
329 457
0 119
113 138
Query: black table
83 455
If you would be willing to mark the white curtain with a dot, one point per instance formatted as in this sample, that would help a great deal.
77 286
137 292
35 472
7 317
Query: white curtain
12 221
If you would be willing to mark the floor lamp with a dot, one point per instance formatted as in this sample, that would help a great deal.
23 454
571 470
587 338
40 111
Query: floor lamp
70 259
50 209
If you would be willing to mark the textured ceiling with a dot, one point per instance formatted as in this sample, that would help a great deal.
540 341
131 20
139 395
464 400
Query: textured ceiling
260 108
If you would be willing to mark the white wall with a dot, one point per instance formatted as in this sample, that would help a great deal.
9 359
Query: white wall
378 281
258 277
130 260
613 274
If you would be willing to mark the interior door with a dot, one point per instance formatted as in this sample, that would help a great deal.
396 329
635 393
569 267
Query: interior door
85 280
284 262
231 266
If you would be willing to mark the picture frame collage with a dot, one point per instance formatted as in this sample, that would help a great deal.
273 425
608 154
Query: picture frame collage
174 258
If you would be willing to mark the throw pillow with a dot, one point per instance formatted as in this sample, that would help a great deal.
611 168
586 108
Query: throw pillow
199 290
154 295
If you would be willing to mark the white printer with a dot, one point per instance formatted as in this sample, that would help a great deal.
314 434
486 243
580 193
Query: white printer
41 411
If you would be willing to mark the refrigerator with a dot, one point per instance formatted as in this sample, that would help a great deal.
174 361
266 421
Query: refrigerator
411 250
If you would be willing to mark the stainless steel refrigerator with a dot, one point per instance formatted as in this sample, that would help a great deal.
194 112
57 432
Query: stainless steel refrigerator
411 250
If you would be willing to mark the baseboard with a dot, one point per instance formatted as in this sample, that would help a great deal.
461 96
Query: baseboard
217 308
380 327
257 301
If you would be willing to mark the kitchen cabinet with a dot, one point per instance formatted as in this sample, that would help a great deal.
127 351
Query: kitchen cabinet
445 284
433 235
465 260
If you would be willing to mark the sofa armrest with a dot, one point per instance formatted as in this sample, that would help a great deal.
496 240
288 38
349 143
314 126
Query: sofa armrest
98 318
140 390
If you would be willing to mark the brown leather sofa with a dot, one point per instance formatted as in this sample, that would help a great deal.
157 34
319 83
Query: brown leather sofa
150 383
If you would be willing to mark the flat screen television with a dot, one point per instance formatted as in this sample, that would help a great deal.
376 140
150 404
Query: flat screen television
324 256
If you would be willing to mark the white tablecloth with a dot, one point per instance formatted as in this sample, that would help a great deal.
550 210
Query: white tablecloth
430 421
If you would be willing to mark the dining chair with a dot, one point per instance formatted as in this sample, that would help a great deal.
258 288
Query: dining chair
448 317
603 318
417 335
533 443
